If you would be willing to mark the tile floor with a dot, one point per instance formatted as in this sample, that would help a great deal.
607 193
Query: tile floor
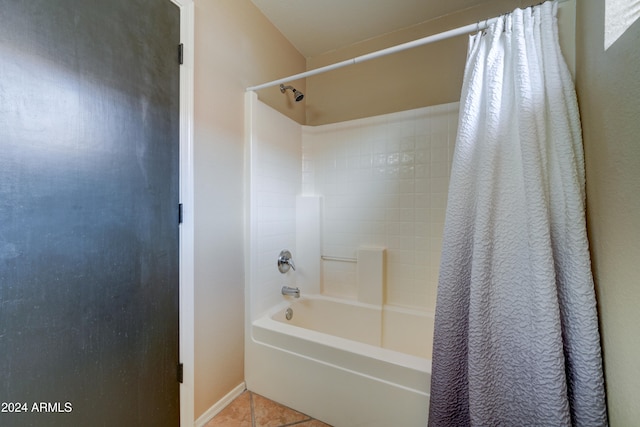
252 410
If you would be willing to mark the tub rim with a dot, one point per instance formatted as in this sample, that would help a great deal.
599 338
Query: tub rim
389 366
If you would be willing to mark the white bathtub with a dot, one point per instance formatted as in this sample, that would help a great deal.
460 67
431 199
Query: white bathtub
339 361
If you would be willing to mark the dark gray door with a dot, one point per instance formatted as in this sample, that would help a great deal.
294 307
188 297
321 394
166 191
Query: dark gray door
89 130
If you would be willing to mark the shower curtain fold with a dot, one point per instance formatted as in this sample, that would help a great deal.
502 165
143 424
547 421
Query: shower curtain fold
516 338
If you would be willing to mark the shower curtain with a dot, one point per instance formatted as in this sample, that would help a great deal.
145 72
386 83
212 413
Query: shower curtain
516 337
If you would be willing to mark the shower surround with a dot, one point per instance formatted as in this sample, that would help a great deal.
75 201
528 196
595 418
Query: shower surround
383 181
332 190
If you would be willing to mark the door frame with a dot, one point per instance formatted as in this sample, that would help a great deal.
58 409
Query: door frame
187 256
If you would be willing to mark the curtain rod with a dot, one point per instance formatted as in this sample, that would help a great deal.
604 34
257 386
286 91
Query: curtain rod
479 26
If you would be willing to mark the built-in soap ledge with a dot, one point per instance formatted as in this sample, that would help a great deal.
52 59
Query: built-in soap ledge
371 274
308 243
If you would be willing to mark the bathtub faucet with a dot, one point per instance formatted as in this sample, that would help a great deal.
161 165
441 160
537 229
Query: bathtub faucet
288 290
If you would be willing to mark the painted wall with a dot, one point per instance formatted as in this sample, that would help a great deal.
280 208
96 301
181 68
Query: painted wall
419 77
608 86
235 47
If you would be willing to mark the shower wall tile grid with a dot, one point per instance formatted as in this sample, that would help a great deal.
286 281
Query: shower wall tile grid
275 171
384 182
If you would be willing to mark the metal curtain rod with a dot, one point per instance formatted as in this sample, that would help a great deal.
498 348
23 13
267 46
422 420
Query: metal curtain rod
479 26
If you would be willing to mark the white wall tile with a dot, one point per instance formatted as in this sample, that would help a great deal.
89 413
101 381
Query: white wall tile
276 179
384 182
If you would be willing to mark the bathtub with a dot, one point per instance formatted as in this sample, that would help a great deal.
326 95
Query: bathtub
345 363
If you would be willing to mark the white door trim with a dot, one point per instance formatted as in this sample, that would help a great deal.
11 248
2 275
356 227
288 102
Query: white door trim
187 281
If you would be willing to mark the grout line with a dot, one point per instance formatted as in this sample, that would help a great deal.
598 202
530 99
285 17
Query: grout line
298 422
253 418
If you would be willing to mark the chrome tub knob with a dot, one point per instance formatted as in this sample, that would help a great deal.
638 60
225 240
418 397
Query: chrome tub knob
285 262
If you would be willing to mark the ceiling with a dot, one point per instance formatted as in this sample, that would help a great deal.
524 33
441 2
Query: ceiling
319 26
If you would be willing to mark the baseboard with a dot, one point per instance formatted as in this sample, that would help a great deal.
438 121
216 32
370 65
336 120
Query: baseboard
220 405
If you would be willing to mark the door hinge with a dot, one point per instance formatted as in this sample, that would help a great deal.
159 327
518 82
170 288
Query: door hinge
180 210
181 53
180 373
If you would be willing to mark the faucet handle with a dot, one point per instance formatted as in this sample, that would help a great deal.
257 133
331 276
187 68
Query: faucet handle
285 262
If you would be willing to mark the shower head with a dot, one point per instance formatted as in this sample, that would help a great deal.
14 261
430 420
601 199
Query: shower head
297 95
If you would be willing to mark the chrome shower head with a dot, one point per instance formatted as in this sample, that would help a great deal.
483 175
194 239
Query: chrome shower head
297 95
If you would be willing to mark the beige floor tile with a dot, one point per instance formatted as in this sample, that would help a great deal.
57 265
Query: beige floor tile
252 410
268 413
236 414
312 423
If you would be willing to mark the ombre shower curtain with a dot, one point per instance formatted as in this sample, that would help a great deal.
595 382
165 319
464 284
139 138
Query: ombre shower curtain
516 331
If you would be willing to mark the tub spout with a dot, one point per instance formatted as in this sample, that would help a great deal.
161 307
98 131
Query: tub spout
294 292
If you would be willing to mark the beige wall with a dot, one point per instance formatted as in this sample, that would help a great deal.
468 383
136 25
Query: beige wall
608 85
235 47
419 77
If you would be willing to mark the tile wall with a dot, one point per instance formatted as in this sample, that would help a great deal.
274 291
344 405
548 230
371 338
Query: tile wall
384 182
274 162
